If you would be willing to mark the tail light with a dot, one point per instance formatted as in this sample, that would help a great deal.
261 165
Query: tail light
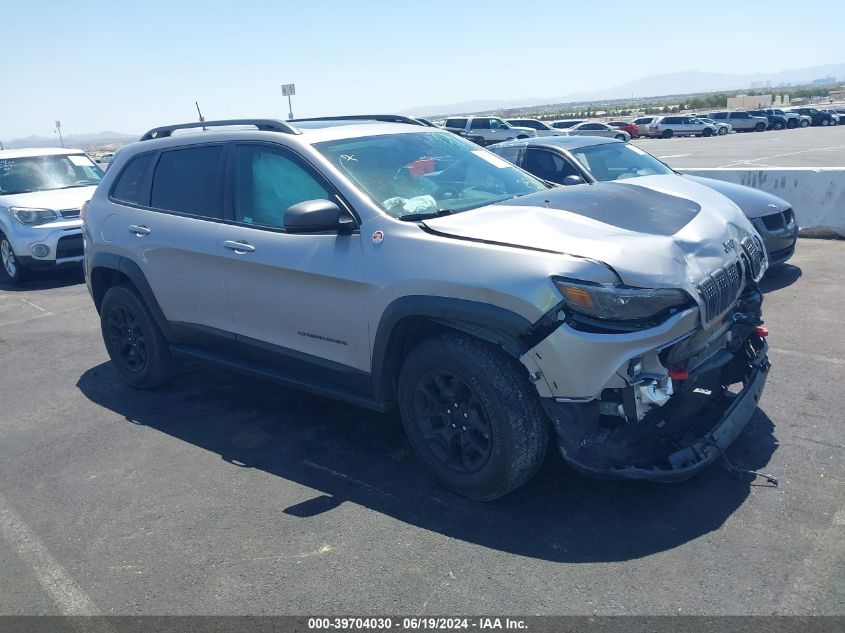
83 212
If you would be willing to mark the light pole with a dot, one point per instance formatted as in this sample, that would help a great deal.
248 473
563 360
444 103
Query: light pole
287 91
59 130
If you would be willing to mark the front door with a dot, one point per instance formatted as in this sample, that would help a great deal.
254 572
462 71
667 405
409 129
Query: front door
290 293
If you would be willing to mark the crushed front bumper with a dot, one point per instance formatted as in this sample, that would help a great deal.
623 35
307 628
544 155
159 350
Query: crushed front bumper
673 442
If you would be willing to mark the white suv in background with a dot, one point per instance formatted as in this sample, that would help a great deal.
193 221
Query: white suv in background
542 129
41 193
680 125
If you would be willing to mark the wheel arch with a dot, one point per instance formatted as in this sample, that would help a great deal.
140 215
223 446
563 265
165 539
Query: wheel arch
409 320
108 269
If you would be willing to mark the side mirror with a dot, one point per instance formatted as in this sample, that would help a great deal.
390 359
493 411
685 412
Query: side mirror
573 180
317 216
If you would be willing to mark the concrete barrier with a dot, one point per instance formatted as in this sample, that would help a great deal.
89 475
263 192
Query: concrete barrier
817 194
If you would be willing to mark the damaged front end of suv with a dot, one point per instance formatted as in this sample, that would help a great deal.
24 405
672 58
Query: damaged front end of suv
654 383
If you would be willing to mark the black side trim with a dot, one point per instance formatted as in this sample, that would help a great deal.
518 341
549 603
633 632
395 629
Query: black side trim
289 380
293 366
490 322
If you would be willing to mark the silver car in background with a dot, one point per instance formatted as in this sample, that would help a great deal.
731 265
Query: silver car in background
542 129
596 128
41 194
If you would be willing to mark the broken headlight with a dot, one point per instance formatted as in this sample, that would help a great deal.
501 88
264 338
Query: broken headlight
619 303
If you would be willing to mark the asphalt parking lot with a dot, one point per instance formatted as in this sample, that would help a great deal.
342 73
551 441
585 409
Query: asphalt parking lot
221 494
802 147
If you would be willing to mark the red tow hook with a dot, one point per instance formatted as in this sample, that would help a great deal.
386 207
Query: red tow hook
678 374
762 331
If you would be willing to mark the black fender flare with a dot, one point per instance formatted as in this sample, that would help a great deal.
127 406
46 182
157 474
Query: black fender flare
133 272
494 324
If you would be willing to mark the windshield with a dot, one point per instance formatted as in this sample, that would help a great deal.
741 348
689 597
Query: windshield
44 173
419 175
615 161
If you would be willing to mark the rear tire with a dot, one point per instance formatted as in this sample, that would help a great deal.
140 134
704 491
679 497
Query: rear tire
777 125
11 271
825 122
667 134
471 415
707 132
805 123
135 343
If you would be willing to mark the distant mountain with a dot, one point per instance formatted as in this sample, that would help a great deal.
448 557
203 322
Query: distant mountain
80 141
686 82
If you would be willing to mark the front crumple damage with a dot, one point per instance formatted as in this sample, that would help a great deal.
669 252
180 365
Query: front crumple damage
667 411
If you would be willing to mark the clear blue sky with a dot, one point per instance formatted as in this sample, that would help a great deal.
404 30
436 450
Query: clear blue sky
129 66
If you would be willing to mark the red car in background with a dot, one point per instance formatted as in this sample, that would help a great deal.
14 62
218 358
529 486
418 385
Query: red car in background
630 128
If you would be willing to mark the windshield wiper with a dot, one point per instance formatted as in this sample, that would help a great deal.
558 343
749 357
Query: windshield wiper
413 217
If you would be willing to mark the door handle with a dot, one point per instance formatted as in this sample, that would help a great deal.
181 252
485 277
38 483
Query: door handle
239 247
139 229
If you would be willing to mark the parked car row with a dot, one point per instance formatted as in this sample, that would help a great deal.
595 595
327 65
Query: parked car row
391 264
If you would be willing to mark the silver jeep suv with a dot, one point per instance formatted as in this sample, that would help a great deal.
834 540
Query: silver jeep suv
395 265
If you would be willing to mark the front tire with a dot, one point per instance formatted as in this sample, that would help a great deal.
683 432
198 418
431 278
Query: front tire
133 339
825 122
11 271
667 134
707 132
777 125
620 137
805 123
723 131
760 127
471 415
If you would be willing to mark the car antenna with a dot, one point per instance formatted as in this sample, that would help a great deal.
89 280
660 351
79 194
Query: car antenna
202 118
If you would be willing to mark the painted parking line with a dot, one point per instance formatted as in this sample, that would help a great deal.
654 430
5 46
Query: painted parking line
751 161
675 156
63 590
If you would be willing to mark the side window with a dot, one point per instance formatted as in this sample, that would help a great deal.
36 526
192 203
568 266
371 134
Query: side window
267 182
498 124
186 180
456 123
547 165
480 124
592 126
131 179
514 155
719 115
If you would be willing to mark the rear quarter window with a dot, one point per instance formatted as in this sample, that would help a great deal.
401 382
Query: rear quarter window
129 184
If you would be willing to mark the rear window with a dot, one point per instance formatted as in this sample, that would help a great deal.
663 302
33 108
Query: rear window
185 181
131 180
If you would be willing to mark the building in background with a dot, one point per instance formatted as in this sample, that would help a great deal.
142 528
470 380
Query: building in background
749 102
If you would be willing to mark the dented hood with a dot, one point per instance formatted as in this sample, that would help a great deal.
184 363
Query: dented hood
654 231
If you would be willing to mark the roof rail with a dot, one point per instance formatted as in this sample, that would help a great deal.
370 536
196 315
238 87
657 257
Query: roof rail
265 125
384 118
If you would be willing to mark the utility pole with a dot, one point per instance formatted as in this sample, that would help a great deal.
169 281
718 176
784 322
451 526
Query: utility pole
59 130
202 118
1 145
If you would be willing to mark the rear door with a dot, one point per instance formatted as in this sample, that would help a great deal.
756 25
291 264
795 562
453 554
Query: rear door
290 293
173 235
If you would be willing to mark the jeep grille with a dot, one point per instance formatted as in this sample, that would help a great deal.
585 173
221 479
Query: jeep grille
720 289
